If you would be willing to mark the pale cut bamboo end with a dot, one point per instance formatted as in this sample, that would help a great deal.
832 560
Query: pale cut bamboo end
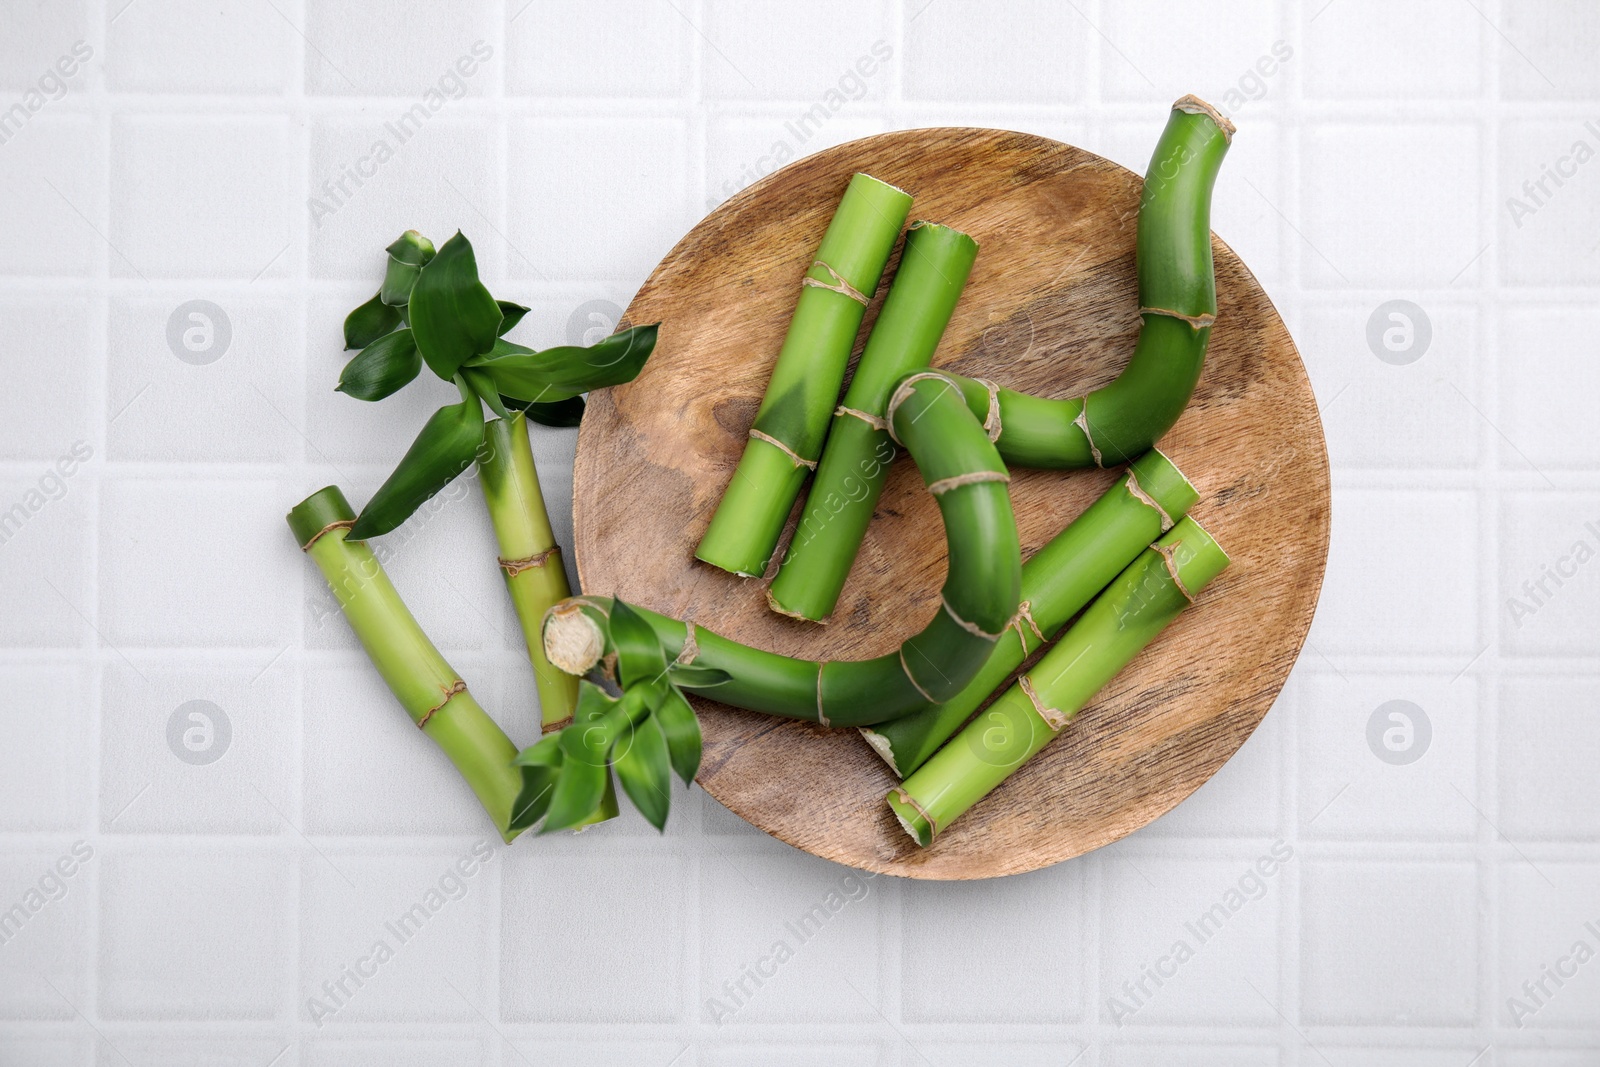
882 747
1193 105
779 609
573 642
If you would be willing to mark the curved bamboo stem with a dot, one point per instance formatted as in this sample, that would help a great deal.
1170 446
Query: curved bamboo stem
1057 581
980 594
1177 303
934 266
1132 611
792 422
429 689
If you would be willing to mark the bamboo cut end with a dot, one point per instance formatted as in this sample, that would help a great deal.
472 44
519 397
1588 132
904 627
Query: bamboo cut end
882 747
573 642
1193 105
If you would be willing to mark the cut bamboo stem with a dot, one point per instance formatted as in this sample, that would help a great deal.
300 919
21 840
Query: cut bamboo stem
1057 581
530 559
429 689
959 464
1132 611
792 422
934 266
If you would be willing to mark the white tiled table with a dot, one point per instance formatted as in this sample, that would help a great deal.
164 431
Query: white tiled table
197 155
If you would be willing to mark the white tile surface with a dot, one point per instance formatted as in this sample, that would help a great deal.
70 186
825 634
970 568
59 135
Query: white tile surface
229 151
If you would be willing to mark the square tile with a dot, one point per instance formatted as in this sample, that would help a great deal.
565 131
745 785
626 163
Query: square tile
1188 1054
608 48
644 947
170 564
396 1052
966 50
1548 575
580 180
1195 52
194 934
1388 943
199 46
803 1053
384 938
47 762
370 178
50 198
1369 50
1396 415
612 1052
1184 941
792 53
46 904
36 35
1401 574
197 750
1548 728
1547 51
44 522
1543 381
203 382
1389 206
1032 972
1551 206
42 1051
355 734
199 196
1549 929
416 53
1000 1053
1388 757
51 363
118 1048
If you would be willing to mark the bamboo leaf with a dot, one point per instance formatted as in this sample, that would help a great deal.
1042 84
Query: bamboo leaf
369 322
686 674
644 772
566 371
540 764
579 789
545 752
640 658
568 412
382 367
510 315
682 732
452 314
483 385
446 446
407 255
593 703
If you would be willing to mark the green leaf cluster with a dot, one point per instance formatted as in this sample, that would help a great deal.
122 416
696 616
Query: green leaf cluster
644 736
433 311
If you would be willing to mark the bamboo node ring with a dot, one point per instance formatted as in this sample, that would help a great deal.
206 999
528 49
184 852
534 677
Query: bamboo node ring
514 567
1052 717
794 457
840 284
458 686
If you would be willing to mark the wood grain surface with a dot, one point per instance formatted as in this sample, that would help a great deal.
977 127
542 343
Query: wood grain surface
1051 308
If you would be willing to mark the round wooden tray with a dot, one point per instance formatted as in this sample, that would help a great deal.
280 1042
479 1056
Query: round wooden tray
1051 308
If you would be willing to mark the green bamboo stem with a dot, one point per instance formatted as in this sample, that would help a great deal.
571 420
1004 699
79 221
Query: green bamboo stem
934 266
429 689
530 559
1057 581
1177 304
959 464
1134 608
792 421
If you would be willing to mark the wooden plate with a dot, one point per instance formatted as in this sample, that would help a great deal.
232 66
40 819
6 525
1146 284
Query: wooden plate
1051 308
